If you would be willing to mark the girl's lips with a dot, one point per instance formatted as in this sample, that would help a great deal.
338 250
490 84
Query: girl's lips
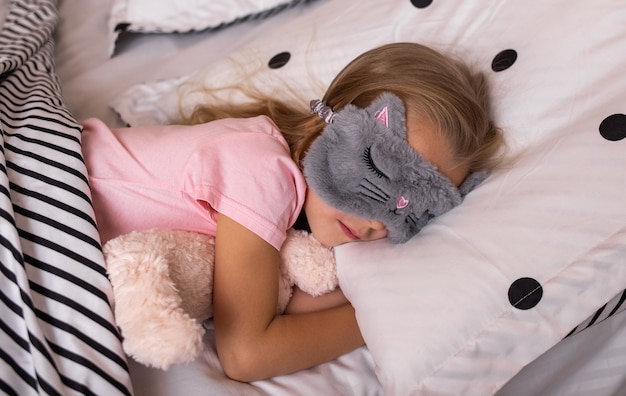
349 233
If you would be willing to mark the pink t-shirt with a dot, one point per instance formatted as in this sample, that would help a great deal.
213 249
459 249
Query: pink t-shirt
180 177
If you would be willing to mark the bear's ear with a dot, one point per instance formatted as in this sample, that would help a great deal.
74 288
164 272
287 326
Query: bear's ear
389 110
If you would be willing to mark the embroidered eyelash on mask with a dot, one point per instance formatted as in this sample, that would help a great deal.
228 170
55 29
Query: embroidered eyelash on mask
362 164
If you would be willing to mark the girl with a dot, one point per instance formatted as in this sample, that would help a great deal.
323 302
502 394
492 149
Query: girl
404 126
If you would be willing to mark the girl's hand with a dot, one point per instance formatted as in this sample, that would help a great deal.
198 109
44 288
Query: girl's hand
302 302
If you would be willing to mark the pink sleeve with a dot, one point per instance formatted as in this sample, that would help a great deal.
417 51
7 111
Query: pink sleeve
250 178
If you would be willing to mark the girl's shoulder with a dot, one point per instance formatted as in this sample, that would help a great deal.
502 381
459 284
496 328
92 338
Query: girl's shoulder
238 127
246 172
227 128
233 142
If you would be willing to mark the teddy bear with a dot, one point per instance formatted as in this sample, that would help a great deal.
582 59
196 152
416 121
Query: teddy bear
162 287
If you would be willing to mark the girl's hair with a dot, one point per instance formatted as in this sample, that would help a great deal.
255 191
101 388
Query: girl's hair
452 97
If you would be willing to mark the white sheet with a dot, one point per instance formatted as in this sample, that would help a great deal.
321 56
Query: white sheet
352 374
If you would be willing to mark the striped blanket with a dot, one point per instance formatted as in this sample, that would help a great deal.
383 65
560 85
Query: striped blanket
56 325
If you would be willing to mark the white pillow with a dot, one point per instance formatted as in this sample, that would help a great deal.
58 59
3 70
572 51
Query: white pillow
175 16
491 285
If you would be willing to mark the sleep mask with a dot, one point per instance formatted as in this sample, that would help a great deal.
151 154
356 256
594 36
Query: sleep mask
362 164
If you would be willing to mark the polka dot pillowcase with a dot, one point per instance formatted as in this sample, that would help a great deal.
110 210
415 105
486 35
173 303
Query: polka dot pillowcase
532 252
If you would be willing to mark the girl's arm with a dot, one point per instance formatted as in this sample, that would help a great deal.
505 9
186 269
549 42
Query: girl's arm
301 302
252 341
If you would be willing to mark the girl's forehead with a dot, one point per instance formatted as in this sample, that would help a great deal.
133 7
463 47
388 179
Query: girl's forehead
425 138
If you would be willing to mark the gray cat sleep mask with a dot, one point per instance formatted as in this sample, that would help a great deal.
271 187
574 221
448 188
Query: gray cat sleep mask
362 164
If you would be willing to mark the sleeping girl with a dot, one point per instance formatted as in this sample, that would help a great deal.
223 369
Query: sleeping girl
401 135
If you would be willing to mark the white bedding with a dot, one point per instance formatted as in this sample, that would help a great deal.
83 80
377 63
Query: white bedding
557 217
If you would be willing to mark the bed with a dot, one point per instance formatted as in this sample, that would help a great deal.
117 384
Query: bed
519 291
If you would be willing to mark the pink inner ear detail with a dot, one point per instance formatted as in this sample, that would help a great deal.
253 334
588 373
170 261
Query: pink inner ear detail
383 116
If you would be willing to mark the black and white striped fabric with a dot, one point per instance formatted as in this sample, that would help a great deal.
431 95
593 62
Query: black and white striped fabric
56 325
607 311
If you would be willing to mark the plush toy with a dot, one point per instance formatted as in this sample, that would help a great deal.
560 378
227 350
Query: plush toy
163 280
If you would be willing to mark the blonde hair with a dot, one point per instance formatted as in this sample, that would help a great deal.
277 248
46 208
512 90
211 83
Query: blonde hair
452 97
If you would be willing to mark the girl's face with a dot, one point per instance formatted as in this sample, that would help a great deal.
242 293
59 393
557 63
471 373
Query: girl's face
332 227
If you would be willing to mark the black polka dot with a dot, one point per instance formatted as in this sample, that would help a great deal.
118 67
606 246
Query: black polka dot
525 293
504 60
421 3
279 60
613 127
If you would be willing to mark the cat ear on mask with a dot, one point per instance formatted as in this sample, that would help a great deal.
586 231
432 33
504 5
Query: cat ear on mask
389 110
382 116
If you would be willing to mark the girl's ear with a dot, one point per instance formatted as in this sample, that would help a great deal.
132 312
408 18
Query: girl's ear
389 110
